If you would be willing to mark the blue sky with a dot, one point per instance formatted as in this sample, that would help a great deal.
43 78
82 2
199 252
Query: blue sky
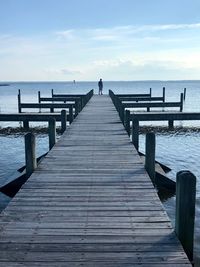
85 39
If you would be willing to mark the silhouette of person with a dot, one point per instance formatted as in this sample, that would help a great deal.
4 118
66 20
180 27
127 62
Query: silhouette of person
100 84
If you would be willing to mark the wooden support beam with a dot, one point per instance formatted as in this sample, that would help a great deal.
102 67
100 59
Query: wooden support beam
185 210
127 122
52 133
135 133
30 155
150 155
163 94
63 120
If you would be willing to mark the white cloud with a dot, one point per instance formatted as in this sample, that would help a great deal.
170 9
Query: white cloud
122 52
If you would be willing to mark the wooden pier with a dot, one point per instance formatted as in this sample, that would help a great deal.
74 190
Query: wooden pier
90 203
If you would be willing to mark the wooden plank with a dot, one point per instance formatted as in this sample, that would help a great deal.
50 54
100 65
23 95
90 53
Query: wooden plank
89 203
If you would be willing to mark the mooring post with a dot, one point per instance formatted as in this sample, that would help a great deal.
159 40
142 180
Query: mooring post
19 101
171 124
52 133
123 114
135 132
184 94
39 97
26 125
63 120
127 121
71 115
150 91
30 155
150 155
181 101
76 108
163 94
185 210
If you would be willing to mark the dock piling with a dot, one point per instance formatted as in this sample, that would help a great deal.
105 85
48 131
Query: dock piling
150 155
135 133
184 94
71 115
163 94
185 210
181 100
63 120
26 125
30 155
52 133
127 121
19 101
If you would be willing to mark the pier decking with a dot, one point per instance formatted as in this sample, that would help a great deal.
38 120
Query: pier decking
89 203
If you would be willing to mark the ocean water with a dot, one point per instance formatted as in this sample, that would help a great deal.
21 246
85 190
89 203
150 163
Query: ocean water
177 149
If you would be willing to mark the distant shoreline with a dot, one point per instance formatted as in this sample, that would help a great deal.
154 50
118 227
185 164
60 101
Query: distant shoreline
4 84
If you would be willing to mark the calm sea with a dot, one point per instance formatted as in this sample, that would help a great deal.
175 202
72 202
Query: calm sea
177 149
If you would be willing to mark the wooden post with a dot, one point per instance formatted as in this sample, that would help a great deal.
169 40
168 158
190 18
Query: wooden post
163 94
150 155
185 210
123 114
52 133
39 101
30 156
150 91
51 92
184 94
19 101
52 110
71 116
148 109
76 108
135 132
181 100
127 122
39 97
63 120
26 125
171 124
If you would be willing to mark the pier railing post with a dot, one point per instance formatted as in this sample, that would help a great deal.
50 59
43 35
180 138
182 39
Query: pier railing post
181 101
39 96
135 132
184 94
63 120
163 94
150 92
26 125
185 210
127 121
76 108
30 155
150 155
51 92
71 115
52 133
19 101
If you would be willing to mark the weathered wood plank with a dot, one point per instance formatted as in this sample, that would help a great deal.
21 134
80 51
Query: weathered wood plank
89 203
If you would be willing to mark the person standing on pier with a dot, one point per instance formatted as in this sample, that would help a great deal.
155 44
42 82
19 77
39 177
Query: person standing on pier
100 84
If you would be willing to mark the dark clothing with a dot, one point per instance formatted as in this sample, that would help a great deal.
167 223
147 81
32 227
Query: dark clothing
100 84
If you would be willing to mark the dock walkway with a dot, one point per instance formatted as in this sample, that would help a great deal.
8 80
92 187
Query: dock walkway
90 203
